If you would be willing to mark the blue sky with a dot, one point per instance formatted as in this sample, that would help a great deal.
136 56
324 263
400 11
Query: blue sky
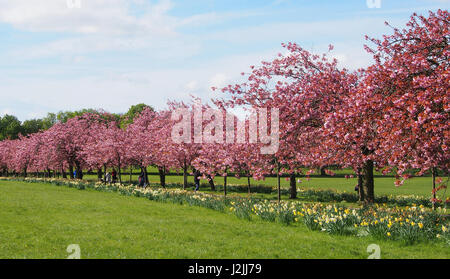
111 54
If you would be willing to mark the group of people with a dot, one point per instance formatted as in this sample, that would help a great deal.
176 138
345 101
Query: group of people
75 175
142 179
110 177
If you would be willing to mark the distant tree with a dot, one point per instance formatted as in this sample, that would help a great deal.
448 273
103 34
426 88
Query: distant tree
10 127
133 112
64 116
32 126
49 121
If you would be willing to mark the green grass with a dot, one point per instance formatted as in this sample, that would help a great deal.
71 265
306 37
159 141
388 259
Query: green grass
41 220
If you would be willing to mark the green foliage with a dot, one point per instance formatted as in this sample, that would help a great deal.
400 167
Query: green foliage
10 127
32 126
64 116
49 121
134 111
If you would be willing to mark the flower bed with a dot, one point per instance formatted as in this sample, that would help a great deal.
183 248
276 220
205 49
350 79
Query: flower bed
320 195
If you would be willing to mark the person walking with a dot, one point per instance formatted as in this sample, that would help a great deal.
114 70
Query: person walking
108 178
197 180
114 176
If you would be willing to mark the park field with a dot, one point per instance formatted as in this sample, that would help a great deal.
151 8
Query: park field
42 220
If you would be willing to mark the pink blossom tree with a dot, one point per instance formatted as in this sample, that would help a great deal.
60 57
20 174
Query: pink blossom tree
305 88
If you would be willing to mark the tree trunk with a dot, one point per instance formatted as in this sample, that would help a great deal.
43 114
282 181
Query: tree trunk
293 187
79 172
120 174
248 182
321 171
104 171
211 183
71 172
368 183
360 187
63 173
225 185
131 174
185 179
145 176
278 182
99 174
162 176
433 177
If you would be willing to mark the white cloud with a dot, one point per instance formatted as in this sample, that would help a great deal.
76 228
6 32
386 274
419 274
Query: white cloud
115 91
162 47
151 34
218 80
192 86
216 17
94 16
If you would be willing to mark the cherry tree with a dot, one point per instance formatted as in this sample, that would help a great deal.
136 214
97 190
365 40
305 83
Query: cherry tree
232 154
6 156
149 142
183 145
305 88
409 85
72 138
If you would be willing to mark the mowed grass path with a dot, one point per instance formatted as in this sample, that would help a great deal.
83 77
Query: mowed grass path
41 220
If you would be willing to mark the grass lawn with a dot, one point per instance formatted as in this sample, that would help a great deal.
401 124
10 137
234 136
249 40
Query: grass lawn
41 220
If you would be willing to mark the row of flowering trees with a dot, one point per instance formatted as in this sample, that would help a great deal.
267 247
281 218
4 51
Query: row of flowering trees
393 115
